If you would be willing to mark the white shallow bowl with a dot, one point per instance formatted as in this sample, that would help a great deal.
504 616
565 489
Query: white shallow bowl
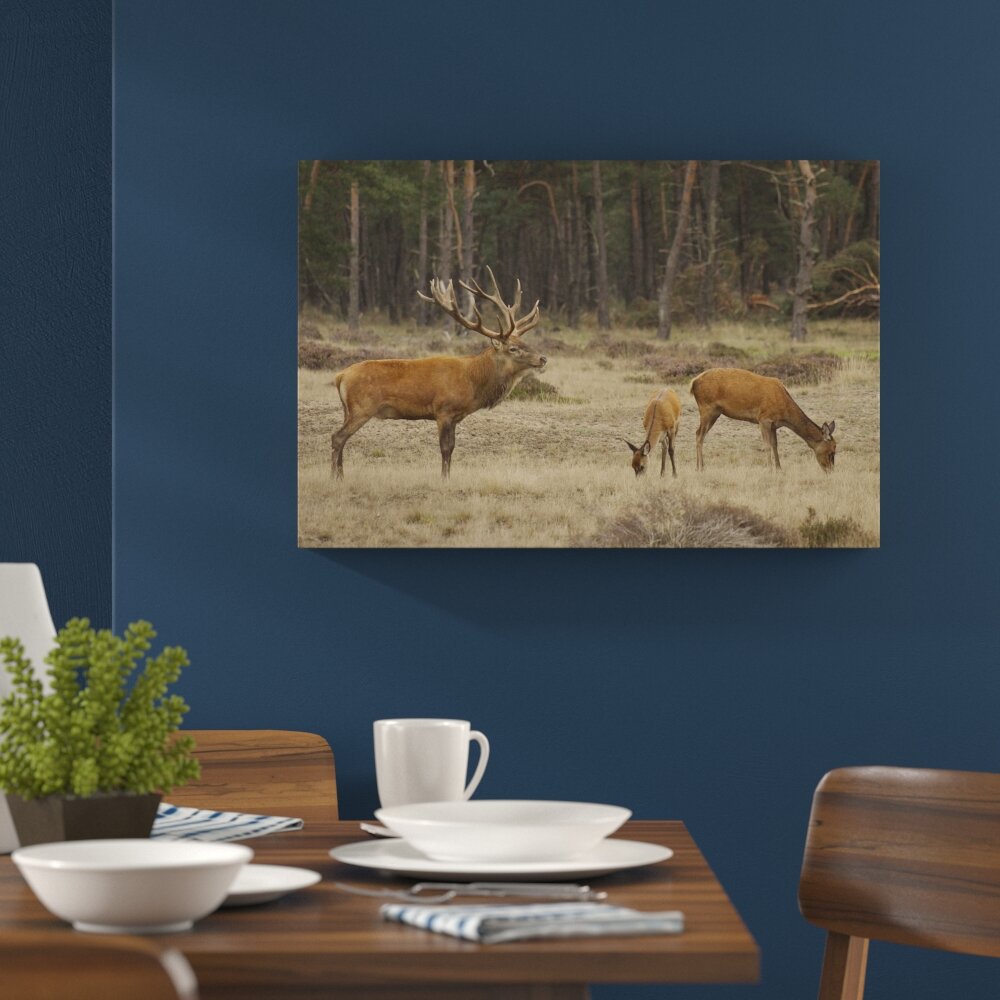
131 886
498 830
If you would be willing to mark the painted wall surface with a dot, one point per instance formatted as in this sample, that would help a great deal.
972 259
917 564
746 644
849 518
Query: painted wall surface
55 299
723 699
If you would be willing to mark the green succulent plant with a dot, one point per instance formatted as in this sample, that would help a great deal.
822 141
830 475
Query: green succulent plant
102 726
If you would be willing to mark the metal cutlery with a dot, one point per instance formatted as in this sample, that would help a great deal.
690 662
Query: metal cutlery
443 892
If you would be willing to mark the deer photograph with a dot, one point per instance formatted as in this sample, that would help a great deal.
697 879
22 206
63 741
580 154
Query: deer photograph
661 421
530 312
443 389
761 400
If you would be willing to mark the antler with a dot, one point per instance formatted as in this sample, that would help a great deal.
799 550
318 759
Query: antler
510 325
444 296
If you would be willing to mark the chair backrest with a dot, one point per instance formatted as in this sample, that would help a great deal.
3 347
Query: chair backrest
24 613
905 855
40 965
277 772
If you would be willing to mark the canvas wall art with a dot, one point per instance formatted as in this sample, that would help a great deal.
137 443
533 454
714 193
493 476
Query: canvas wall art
570 353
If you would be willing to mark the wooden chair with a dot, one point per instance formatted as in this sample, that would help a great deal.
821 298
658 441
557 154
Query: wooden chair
42 965
903 855
276 772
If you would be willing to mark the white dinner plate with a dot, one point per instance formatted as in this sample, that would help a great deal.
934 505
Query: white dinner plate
400 858
484 831
263 883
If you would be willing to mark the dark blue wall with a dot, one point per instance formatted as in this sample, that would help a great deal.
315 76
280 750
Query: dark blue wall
55 298
755 672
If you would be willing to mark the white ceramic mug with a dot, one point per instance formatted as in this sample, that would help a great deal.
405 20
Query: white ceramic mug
426 760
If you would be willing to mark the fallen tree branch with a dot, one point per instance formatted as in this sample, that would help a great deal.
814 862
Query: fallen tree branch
853 294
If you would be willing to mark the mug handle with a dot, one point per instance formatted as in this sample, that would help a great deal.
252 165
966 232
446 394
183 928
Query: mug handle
484 756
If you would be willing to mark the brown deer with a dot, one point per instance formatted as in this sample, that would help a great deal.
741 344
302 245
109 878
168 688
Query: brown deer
661 420
758 399
443 389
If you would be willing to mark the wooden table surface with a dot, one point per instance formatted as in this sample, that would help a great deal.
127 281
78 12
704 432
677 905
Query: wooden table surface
321 938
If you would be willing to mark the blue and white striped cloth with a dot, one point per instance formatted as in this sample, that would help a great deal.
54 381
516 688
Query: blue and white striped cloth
186 822
493 924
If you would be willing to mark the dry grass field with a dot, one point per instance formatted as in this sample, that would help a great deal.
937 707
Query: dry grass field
554 471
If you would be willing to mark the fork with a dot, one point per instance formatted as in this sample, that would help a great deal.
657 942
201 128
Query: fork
442 892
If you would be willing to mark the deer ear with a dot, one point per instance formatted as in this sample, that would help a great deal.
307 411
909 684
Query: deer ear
632 446
498 345
645 447
828 429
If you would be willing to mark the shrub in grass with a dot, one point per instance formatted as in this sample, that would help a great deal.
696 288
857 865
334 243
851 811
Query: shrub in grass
833 533
669 521
536 390
800 369
620 347
321 356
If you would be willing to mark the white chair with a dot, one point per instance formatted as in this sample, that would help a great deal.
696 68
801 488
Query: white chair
24 612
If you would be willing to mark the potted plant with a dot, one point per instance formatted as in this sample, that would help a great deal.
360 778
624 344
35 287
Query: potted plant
91 756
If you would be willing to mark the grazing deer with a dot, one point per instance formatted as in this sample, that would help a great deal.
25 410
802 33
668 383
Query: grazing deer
443 389
661 420
758 399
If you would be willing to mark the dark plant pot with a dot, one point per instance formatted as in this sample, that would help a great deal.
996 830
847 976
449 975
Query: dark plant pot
97 817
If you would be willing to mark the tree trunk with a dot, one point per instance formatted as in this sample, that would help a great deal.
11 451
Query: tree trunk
636 285
367 291
673 258
447 227
743 239
576 250
454 224
662 245
353 318
874 214
557 251
311 190
712 250
469 194
422 247
664 216
603 318
855 204
803 279
307 204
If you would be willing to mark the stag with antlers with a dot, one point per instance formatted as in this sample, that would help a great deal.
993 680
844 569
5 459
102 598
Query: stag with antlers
443 389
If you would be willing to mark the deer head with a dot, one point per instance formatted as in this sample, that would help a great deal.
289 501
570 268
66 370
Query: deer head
513 356
639 456
826 449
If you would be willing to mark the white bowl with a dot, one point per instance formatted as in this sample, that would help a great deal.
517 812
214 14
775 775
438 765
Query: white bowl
485 830
131 886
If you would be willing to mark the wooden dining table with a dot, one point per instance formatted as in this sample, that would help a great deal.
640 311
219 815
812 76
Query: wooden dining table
323 940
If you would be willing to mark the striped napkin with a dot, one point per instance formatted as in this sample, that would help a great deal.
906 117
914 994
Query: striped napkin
186 822
492 924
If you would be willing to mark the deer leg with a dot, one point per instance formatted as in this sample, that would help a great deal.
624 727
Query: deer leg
765 434
670 449
337 441
446 433
770 435
663 455
707 423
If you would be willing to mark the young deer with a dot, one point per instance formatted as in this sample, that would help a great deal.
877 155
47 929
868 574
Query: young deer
661 420
758 399
443 389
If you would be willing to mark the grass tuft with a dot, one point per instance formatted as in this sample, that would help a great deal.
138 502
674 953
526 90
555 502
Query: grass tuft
800 369
671 521
317 355
834 533
533 388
